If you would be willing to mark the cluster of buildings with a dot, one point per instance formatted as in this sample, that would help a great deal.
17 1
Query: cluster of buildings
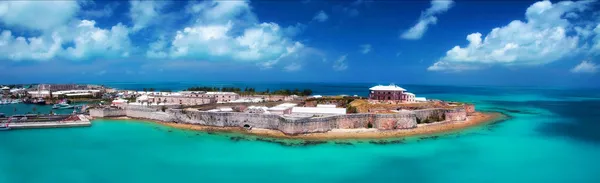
289 110
55 90
195 98
392 94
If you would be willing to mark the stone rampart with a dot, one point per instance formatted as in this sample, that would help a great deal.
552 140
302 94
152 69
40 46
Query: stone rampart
458 114
107 112
292 126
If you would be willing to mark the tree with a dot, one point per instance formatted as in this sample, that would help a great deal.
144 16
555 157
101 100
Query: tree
145 89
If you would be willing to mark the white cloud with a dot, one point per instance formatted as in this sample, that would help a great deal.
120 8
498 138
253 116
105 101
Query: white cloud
293 67
145 13
32 48
88 41
228 30
365 48
37 15
91 41
596 41
321 16
585 67
544 37
340 64
221 12
57 27
428 17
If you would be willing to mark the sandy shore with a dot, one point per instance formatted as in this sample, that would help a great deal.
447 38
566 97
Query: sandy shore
363 133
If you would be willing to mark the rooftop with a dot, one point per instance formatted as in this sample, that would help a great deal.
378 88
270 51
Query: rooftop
387 88
319 110
221 93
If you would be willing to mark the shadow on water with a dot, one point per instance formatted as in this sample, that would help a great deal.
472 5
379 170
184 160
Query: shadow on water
583 118
393 168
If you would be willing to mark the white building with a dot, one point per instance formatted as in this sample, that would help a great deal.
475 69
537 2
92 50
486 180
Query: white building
285 108
326 105
318 110
410 97
257 109
119 101
223 109
420 99
39 93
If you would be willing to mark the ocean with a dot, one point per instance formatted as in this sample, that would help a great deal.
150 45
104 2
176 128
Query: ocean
552 135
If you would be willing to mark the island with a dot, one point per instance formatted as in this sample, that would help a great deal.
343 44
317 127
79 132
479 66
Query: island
388 111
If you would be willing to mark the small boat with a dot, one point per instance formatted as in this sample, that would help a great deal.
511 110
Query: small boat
16 101
4 127
67 107
40 101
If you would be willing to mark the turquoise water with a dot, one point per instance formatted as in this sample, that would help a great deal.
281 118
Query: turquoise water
552 136
22 108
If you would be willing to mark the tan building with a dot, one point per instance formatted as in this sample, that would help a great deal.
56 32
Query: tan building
182 100
222 97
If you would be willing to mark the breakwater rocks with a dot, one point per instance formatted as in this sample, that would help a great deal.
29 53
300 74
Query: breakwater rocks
289 126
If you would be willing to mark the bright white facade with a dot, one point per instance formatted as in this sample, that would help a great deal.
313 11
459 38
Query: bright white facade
224 109
285 108
318 110
119 101
39 93
410 97
326 105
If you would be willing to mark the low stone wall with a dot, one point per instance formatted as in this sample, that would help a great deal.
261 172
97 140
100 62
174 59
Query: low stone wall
107 112
429 115
292 126
458 114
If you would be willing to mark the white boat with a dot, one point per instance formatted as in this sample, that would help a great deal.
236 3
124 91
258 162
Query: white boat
4 126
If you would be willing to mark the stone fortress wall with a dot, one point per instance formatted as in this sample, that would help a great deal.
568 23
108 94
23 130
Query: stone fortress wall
290 126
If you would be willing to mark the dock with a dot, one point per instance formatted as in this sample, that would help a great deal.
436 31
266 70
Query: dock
61 121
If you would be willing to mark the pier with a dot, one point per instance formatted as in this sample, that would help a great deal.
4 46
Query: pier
47 121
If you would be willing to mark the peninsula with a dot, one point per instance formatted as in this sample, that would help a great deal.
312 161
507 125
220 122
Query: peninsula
388 111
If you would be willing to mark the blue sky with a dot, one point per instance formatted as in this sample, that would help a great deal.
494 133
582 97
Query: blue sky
539 43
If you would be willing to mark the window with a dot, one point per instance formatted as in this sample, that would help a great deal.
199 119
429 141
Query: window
389 98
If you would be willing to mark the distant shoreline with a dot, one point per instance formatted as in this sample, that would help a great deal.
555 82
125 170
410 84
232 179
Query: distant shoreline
478 118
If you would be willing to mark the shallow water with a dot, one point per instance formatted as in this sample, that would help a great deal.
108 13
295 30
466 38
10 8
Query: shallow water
552 136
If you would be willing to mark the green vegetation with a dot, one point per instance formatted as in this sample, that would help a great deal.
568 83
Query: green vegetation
351 109
252 91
